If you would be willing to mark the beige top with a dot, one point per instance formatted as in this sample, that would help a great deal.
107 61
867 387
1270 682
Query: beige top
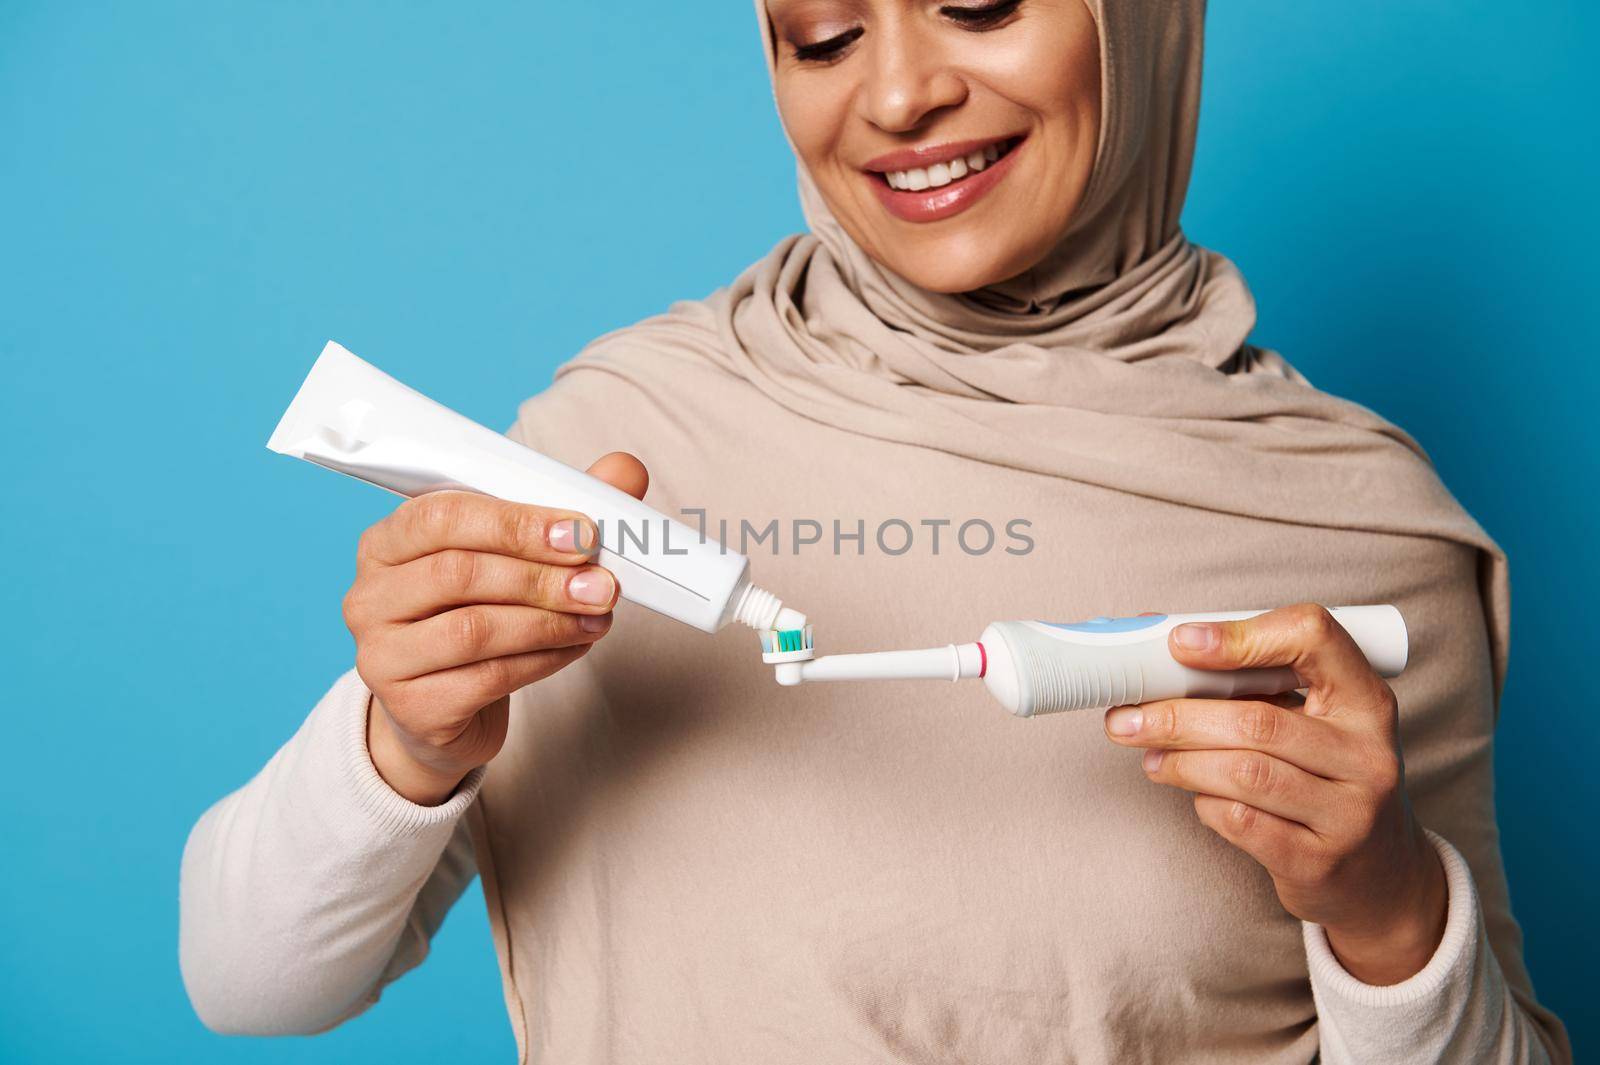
684 862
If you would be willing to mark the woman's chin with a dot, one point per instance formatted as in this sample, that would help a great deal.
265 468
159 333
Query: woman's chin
960 261
961 255
951 271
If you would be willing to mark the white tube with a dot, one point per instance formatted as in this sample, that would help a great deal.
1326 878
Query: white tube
353 418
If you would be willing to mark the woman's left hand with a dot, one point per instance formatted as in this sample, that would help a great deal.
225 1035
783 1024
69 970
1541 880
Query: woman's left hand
1315 793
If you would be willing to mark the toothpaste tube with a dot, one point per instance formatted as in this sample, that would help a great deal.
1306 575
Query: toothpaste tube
357 420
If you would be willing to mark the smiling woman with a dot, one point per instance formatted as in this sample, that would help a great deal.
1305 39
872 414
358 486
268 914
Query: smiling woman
995 312
909 114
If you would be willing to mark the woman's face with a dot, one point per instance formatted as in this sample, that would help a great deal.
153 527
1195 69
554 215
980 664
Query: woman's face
952 141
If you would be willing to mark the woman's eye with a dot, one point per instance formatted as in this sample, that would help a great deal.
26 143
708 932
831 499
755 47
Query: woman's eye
824 51
983 16
975 17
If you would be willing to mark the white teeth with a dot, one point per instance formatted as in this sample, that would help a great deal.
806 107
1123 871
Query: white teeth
940 174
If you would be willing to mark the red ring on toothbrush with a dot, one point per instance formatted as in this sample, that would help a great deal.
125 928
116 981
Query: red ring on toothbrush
983 660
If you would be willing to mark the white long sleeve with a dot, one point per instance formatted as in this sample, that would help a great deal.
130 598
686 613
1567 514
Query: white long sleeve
309 889
1458 1009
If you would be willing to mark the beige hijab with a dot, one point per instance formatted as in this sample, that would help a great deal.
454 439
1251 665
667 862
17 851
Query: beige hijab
1120 360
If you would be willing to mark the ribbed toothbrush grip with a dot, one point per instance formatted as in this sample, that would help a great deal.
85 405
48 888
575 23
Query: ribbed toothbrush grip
1058 682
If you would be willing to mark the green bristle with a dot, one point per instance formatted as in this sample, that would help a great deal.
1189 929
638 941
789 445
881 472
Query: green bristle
783 641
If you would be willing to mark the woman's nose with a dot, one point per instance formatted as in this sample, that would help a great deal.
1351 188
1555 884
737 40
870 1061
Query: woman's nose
908 80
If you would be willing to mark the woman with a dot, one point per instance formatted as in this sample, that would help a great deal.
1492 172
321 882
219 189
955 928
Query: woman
995 318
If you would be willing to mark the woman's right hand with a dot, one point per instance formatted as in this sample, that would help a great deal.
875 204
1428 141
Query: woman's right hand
459 600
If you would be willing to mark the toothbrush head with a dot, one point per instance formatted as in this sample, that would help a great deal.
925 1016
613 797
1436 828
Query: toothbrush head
787 645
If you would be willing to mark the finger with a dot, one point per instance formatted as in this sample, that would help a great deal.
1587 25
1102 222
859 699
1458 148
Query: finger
1235 724
480 683
1287 700
1305 638
434 583
1278 844
1257 779
469 521
622 470
476 633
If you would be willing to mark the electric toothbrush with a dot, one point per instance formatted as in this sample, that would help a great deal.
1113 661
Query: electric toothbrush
1041 667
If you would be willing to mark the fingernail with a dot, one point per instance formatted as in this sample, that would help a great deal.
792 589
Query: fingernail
591 586
572 536
594 622
1196 636
1152 760
1124 720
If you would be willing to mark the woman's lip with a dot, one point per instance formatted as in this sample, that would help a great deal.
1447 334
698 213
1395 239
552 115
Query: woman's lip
931 205
912 158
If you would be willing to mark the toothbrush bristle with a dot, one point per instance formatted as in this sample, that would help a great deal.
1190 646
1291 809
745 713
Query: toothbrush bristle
777 643
792 640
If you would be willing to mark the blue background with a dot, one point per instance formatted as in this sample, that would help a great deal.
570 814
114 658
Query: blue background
193 197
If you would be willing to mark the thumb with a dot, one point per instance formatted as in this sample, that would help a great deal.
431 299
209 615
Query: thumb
622 470
1305 637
